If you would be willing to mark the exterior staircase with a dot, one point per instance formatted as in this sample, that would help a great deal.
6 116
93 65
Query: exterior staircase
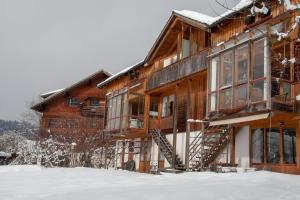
166 148
207 146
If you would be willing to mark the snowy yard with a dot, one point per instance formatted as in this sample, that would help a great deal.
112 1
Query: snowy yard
33 182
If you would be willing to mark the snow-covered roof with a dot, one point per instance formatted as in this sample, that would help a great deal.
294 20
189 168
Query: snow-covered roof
238 7
49 93
39 106
210 21
122 72
196 16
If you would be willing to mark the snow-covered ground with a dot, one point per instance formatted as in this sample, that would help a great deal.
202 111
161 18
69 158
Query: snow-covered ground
33 182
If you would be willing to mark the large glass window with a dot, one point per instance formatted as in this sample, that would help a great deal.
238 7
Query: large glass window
226 69
230 82
289 145
273 145
241 63
258 91
241 95
117 110
276 149
213 83
225 98
258 59
258 146
167 106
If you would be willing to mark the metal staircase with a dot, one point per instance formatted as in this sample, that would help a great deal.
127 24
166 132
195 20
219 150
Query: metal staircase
166 148
207 146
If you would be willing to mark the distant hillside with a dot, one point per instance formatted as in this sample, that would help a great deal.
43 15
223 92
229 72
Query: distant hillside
22 128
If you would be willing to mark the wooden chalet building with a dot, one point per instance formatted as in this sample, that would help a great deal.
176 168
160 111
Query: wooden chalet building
212 91
75 114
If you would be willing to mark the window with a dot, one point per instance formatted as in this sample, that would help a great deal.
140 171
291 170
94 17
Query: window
259 84
231 85
117 110
258 92
241 95
225 98
241 59
258 146
213 83
185 48
273 145
226 69
258 59
94 102
153 107
167 106
73 102
289 145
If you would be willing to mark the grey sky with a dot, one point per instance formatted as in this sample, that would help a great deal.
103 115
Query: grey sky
50 44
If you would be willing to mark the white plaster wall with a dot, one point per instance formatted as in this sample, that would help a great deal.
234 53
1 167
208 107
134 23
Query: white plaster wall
242 147
154 151
136 155
126 152
119 149
222 157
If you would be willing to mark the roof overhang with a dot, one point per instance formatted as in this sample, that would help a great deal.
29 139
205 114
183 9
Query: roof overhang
175 15
240 119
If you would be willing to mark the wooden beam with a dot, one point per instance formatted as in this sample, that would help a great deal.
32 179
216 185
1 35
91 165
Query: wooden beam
188 127
174 128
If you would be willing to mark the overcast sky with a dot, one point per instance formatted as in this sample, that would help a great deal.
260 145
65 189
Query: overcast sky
50 44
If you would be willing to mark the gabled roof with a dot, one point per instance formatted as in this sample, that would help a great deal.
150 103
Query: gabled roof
197 19
49 93
121 73
40 106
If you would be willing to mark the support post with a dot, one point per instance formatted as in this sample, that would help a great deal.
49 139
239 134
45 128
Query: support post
202 145
188 129
105 156
174 128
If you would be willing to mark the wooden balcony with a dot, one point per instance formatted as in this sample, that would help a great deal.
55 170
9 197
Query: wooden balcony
92 111
178 70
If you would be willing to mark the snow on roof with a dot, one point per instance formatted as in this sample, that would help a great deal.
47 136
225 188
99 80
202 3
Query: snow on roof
196 16
122 72
46 94
208 20
37 107
241 5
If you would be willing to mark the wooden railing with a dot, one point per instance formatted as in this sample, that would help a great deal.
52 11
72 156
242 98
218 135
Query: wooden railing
178 70
92 111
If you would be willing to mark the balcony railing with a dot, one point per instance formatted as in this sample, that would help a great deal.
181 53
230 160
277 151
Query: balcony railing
178 70
92 111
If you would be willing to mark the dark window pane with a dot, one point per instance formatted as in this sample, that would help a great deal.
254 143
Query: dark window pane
226 69
289 145
241 96
241 59
258 91
258 59
273 145
225 98
258 146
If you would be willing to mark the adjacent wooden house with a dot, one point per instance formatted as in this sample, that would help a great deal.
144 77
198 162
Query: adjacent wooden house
212 91
75 114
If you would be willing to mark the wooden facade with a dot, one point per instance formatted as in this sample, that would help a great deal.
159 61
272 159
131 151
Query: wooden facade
224 91
75 114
